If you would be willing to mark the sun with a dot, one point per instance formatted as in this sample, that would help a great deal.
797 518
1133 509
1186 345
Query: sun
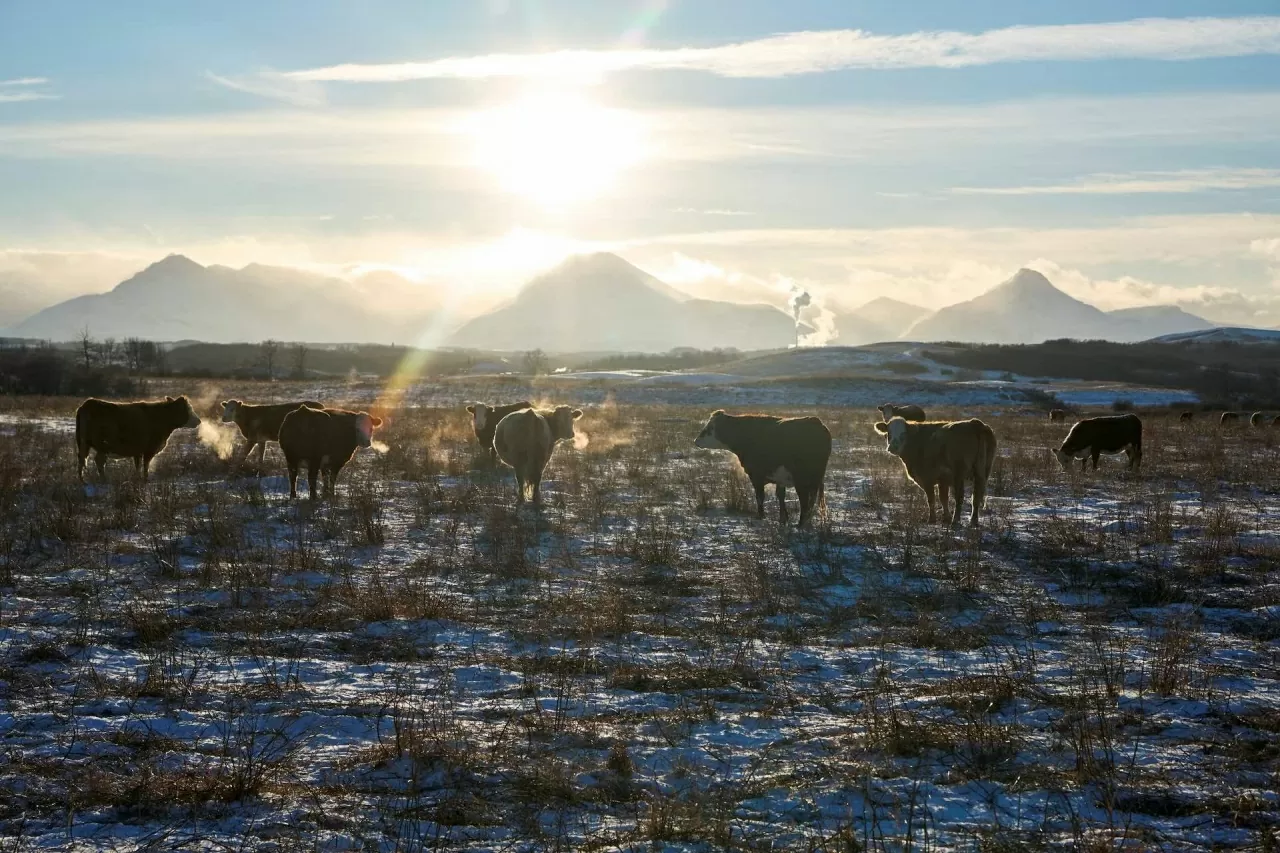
555 148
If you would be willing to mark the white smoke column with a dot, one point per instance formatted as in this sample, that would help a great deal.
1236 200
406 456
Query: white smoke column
220 437
824 327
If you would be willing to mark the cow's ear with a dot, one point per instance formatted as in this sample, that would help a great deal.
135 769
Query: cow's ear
718 413
882 427
168 399
471 410
377 422
577 413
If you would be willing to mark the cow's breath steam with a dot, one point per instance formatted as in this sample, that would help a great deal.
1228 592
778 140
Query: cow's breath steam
218 436
580 439
379 447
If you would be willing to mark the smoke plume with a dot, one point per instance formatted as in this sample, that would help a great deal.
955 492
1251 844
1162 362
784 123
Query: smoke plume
801 299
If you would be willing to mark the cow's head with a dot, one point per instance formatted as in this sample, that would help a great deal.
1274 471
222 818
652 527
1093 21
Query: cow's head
229 408
1064 458
561 422
193 420
896 430
365 425
481 415
707 438
886 411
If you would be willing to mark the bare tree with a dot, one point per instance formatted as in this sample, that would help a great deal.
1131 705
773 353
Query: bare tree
299 360
270 348
86 346
535 362
133 349
107 352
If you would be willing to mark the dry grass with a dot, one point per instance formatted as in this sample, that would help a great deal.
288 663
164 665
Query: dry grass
418 663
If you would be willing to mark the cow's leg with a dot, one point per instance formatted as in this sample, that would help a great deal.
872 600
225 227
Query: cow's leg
313 475
1096 454
146 466
519 472
535 480
100 461
82 456
248 448
292 465
805 495
262 455
1084 463
781 492
957 485
331 480
758 485
979 496
942 495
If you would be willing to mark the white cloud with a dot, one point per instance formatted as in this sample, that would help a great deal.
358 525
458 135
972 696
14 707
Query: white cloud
813 52
25 81
278 87
19 97
1178 181
16 90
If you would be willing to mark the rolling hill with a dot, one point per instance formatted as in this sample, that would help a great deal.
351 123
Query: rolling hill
881 319
600 302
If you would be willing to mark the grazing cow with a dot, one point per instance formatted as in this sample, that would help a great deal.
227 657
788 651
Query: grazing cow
484 422
1057 415
1109 434
324 440
138 431
1256 419
260 424
1228 418
1186 417
524 440
944 455
908 413
782 451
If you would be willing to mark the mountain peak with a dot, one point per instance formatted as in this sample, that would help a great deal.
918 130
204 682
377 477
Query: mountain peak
174 263
1029 280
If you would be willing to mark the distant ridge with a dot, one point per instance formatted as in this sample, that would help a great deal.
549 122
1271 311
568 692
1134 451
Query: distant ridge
601 302
1028 309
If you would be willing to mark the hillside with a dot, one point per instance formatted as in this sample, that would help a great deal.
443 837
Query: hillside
601 302
178 299
881 319
1029 309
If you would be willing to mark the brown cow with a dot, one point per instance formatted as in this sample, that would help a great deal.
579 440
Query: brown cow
783 451
138 431
524 440
910 412
484 422
944 455
1256 419
1110 434
260 424
324 440
1057 415
1229 418
1186 417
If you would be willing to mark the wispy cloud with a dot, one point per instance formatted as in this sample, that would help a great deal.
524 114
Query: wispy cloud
271 84
1180 181
813 52
17 90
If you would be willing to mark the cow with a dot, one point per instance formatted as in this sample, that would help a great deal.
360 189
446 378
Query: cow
944 454
782 451
525 439
260 424
324 440
484 422
1186 417
1057 415
1109 434
138 431
1256 419
908 413
1228 418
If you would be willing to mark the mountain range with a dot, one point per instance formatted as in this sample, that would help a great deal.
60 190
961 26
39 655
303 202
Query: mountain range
178 299
602 302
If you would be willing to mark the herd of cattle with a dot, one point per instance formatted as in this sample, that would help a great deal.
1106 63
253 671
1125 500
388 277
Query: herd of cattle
784 452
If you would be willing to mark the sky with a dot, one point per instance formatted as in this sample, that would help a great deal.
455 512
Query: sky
736 148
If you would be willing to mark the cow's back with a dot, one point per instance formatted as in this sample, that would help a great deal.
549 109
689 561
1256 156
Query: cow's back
1108 433
522 437
118 429
304 432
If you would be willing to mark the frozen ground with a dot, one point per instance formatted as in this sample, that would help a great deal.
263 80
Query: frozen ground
642 663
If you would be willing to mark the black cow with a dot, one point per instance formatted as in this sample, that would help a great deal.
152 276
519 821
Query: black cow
484 422
1109 434
782 451
910 412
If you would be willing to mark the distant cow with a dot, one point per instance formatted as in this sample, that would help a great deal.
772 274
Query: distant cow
1057 415
525 439
260 424
1110 434
1229 418
908 413
484 422
1186 417
324 440
137 431
1256 419
944 455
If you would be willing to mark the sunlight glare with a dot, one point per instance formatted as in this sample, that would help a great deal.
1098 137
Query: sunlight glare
556 147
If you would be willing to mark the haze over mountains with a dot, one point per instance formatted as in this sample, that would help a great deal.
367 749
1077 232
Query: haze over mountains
597 302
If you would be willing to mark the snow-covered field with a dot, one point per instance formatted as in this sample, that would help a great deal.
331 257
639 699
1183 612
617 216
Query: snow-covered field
643 664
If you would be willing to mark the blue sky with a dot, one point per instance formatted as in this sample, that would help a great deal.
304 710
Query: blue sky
924 150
